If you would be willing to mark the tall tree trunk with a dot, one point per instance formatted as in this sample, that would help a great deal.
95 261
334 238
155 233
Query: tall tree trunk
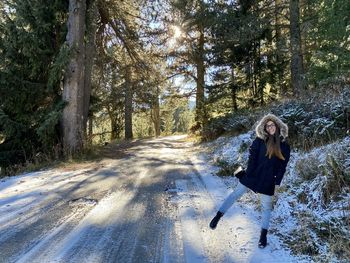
156 114
233 90
114 126
116 117
259 67
200 106
73 90
308 25
111 109
297 70
91 27
279 53
128 104
90 130
255 76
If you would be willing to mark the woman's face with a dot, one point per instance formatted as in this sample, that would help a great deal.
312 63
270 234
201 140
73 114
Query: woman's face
270 127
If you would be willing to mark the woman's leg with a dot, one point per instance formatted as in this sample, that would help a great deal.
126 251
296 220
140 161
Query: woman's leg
233 197
237 193
266 209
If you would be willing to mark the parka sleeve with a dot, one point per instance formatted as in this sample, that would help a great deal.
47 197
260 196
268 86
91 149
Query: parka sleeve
253 157
282 168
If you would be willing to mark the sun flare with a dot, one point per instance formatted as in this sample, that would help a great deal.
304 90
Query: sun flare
176 32
175 36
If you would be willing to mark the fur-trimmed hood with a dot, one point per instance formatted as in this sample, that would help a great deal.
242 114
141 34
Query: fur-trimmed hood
260 128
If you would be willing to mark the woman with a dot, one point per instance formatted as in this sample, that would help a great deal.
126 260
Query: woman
268 158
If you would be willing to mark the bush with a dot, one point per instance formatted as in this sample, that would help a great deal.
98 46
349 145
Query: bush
312 122
335 168
233 123
308 168
337 171
314 234
326 171
226 169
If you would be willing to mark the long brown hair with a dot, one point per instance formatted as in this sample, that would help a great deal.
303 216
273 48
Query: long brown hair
273 144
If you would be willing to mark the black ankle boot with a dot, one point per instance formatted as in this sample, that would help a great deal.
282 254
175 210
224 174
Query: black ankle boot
263 239
215 220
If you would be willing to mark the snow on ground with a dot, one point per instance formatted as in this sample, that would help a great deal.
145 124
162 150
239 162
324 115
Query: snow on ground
242 221
296 213
288 211
16 200
153 205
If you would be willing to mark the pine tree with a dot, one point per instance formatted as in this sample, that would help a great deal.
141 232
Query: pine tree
32 60
243 56
130 61
326 37
74 80
297 67
191 55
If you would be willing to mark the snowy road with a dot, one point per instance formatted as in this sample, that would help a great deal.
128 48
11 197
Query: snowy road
151 202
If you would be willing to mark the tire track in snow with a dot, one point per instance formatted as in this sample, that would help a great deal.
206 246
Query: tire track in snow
173 245
24 232
53 236
89 236
192 240
25 229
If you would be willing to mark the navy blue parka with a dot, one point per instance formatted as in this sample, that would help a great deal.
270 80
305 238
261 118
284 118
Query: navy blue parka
263 173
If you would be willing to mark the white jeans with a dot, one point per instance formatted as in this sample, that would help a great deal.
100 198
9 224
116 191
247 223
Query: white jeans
265 201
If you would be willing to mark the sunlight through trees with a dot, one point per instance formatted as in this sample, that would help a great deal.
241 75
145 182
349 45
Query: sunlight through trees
80 73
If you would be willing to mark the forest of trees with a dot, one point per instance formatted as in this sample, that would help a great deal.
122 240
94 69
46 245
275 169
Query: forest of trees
72 71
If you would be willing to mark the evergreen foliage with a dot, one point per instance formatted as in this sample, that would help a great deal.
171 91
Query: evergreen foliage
233 55
234 123
242 53
31 63
312 122
316 121
328 47
176 116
